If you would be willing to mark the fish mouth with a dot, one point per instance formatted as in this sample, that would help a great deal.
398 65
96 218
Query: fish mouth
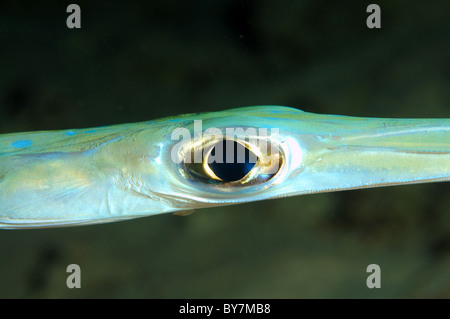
326 153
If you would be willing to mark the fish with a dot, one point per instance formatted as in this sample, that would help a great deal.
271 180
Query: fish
193 161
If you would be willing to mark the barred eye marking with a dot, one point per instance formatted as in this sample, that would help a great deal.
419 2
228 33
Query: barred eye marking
232 162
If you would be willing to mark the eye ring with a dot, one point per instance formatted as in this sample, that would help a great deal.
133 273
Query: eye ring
269 161
229 160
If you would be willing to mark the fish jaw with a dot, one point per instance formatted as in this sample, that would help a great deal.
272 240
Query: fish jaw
324 153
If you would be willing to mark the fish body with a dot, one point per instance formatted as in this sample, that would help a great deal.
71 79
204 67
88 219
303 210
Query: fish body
112 173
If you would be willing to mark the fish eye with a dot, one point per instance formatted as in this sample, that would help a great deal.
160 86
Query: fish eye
229 161
233 162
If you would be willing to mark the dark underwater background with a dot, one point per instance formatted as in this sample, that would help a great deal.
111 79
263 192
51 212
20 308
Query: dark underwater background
137 61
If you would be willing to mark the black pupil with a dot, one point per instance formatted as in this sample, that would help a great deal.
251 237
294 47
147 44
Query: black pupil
231 161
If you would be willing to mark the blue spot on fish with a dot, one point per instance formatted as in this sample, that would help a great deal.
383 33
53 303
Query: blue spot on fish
70 133
91 131
22 143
